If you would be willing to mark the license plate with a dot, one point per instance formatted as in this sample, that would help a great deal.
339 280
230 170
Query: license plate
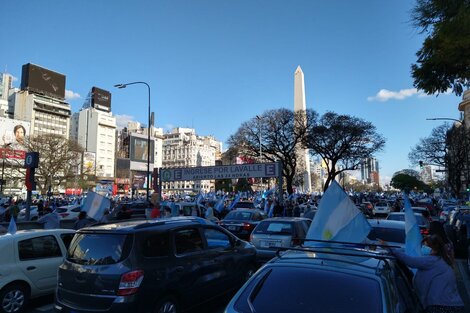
270 243
232 227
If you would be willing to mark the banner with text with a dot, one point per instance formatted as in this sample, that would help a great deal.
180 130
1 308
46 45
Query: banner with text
220 172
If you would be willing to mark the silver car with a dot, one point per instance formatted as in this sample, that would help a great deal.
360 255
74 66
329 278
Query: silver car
278 232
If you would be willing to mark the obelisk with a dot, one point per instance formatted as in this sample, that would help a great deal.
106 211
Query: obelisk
299 105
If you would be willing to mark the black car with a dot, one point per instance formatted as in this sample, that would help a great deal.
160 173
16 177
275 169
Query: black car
165 265
241 222
128 210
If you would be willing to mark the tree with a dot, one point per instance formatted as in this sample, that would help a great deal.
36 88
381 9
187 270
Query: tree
280 134
343 142
444 59
59 159
433 149
405 181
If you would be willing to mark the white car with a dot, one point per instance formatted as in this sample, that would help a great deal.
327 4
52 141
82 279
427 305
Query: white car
381 208
33 214
29 261
69 212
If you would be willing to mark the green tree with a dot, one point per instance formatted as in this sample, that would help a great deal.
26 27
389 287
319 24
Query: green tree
280 134
404 181
343 142
444 58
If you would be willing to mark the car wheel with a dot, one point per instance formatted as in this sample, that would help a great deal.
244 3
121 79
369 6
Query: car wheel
167 305
13 298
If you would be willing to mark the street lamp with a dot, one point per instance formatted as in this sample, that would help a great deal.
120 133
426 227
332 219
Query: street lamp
120 86
462 123
259 135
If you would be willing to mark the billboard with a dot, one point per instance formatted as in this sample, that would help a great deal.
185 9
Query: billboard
43 81
138 149
101 99
89 163
13 133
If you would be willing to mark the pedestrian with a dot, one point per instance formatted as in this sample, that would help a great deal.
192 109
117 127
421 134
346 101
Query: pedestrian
14 210
82 221
40 208
51 219
436 228
434 281
156 213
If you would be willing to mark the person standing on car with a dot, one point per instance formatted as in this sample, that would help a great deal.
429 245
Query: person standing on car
82 221
434 281
51 219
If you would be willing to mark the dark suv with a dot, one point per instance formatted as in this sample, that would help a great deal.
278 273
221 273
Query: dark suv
164 265
328 279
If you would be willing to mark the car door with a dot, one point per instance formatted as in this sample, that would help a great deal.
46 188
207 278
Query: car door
39 258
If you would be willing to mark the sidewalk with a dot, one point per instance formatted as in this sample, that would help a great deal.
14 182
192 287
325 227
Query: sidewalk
463 282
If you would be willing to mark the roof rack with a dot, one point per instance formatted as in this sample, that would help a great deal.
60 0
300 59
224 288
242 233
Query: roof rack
348 243
327 250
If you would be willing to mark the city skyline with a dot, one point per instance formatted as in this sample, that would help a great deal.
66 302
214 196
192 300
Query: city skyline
215 64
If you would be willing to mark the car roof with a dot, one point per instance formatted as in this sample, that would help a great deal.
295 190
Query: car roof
30 233
386 223
145 224
285 219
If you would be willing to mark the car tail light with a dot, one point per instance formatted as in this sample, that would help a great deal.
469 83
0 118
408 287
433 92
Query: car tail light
130 283
247 226
424 231
64 215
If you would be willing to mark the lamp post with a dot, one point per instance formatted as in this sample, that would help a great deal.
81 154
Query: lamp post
120 86
462 123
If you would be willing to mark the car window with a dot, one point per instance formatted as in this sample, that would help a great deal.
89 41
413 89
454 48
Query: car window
156 245
39 248
76 209
61 210
387 234
292 289
234 215
99 249
216 239
188 240
285 228
66 239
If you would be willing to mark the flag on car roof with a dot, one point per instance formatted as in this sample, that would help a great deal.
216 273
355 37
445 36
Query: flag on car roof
338 218
219 206
413 236
235 201
12 226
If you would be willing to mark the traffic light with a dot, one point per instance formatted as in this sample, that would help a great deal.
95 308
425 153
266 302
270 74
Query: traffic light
421 164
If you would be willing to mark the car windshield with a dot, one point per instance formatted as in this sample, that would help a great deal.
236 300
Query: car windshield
387 234
248 205
284 228
99 249
292 289
238 215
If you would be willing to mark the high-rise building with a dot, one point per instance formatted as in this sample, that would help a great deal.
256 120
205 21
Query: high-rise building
41 101
183 148
303 161
94 128
5 87
370 171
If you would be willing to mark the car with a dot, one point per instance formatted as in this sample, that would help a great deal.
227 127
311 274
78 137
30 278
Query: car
69 212
29 262
381 208
444 214
244 205
241 222
424 211
423 223
390 231
159 265
33 214
328 279
278 232
128 210
367 208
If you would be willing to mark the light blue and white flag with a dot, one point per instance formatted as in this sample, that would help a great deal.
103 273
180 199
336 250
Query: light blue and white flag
413 236
235 201
337 219
95 205
219 205
271 210
12 226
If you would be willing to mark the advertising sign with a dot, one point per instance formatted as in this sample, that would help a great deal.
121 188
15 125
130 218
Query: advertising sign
89 162
220 172
13 133
43 81
101 99
138 149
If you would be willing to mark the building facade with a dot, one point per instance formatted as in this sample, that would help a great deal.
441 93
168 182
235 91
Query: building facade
370 171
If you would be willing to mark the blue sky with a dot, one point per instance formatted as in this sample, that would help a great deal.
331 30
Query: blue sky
213 64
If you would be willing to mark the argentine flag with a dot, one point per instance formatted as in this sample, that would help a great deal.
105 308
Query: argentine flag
219 206
235 201
337 219
95 205
12 226
413 236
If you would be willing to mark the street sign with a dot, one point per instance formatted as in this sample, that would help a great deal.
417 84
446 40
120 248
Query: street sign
220 172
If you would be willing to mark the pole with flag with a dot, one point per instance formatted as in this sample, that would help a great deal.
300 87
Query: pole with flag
413 237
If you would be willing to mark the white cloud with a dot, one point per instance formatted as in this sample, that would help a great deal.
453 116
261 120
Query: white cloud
70 95
122 120
168 128
385 95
